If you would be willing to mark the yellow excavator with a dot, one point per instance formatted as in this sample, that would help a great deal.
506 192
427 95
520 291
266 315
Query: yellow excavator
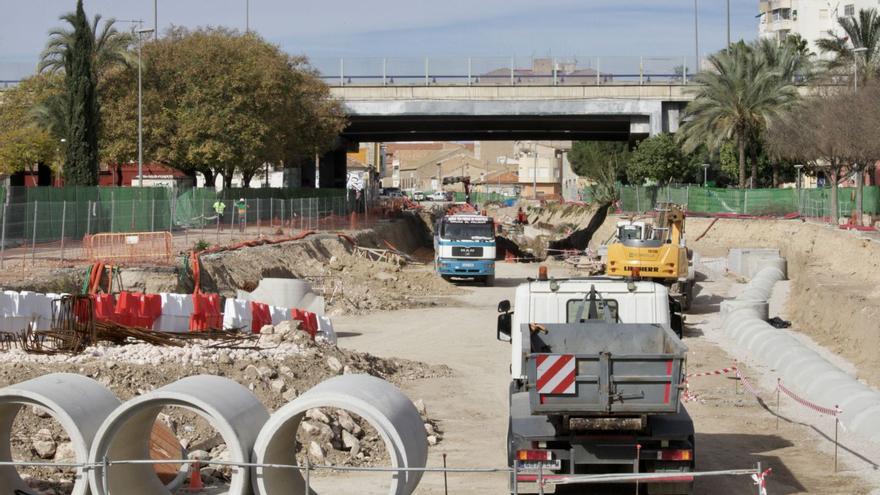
656 252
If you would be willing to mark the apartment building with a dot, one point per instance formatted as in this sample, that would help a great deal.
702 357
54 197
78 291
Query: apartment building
812 19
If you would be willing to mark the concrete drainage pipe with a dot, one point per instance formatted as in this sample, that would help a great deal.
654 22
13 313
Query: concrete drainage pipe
803 369
230 408
378 402
78 403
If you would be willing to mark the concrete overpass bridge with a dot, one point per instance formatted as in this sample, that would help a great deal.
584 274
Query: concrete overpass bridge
619 99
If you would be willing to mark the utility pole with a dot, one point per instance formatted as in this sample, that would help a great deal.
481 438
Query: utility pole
535 174
696 39
247 16
140 34
155 20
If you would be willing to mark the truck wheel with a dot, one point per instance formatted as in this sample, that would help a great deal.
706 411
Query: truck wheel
677 324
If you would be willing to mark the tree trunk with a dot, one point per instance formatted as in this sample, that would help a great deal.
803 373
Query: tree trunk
246 177
835 175
775 174
210 178
753 154
227 181
860 182
742 162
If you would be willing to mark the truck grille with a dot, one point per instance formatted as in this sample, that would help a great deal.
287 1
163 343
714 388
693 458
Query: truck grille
467 251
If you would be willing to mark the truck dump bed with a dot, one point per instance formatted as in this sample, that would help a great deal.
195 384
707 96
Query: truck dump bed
597 368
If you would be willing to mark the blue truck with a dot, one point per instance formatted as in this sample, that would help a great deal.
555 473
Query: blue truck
464 247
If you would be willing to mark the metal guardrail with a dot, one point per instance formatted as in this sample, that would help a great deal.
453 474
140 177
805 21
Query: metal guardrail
505 71
757 474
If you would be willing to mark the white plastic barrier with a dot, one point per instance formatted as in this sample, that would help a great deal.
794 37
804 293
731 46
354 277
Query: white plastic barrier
279 314
13 319
237 314
325 330
176 311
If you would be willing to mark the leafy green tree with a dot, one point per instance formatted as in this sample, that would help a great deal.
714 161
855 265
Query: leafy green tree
24 143
604 162
861 32
742 93
217 102
659 158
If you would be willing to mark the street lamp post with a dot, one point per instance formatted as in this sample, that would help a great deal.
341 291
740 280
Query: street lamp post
799 167
728 25
696 39
140 33
535 173
705 175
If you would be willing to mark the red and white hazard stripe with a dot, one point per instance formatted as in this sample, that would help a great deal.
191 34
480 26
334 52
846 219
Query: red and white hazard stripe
722 371
746 384
804 402
556 374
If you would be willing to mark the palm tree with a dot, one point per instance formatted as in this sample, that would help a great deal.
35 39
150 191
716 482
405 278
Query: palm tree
111 47
861 32
743 91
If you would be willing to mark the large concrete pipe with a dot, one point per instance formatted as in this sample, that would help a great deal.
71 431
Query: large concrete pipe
378 402
802 369
78 403
230 408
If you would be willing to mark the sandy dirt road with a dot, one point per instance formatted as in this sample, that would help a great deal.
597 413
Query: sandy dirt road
734 430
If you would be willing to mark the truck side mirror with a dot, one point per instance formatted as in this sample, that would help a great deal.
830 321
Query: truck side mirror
504 324
504 306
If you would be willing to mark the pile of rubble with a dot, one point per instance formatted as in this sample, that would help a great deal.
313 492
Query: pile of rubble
277 365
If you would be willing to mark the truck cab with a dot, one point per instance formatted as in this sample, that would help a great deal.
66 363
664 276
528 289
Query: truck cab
464 247
596 374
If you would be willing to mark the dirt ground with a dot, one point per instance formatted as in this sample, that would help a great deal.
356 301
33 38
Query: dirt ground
734 430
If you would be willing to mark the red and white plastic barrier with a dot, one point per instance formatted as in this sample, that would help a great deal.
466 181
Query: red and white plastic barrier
828 411
165 311
176 312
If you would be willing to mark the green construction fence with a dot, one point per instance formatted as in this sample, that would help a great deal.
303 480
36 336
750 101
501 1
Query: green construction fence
812 202
45 214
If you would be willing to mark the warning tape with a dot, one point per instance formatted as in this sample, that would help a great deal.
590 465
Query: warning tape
760 480
721 371
835 411
746 384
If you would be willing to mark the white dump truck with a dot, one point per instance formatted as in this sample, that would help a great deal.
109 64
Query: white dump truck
596 374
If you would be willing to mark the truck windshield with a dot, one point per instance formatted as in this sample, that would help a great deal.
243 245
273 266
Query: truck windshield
467 231
574 305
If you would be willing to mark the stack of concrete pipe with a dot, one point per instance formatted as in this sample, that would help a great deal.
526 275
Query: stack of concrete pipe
100 427
802 370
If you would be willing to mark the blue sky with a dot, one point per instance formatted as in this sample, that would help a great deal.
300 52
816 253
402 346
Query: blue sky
412 28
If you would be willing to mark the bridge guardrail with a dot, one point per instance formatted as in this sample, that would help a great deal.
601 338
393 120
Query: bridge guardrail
505 71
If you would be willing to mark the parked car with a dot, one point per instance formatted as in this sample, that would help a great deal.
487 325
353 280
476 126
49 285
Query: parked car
391 192
418 196
439 196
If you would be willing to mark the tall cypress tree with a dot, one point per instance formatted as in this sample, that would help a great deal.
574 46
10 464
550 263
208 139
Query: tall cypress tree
81 164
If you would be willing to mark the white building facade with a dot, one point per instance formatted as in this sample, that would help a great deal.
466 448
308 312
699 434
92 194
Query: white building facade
812 19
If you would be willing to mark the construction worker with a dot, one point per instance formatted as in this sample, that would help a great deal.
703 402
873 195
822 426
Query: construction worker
219 208
521 217
242 206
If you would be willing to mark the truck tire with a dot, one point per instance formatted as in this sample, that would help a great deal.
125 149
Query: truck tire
676 321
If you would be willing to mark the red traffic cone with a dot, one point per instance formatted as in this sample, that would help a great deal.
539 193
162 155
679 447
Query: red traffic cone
195 478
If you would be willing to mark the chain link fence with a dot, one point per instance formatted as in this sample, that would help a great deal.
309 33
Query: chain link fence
813 202
54 226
